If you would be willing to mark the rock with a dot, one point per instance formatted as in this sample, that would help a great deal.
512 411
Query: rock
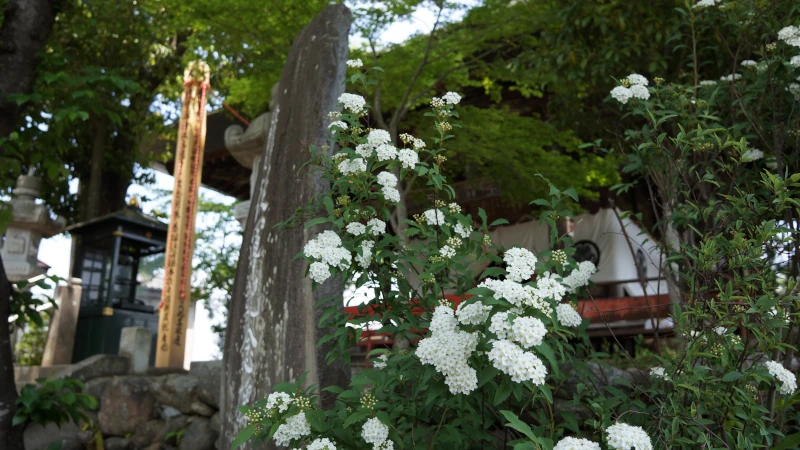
118 443
147 433
156 446
96 386
209 375
168 412
180 392
172 426
216 422
199 435
37 437
97 366
125 405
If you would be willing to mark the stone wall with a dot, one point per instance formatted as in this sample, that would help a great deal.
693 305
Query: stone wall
157 410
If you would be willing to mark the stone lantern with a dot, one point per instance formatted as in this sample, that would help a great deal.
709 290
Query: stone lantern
31 223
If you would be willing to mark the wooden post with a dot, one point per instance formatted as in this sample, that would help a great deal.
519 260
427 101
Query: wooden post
175 298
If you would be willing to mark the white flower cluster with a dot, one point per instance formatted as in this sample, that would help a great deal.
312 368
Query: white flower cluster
580 276
375 432
707 83
376 226
462 231
795 61
520 264
380 361
296 427
787 379
622 436
447 349
658 372
790 35
280 401
378 137
705 3
451 98
434 217
447 252
567 316
408 158
389 181
473 314
731 77
326 247
355 103
355 228
354 63
338 124
720 331
638 89
748 63
352 166
528 331
571 443
548 286
752 154
322 443
513 292
794 89
364 259
385 152
520 365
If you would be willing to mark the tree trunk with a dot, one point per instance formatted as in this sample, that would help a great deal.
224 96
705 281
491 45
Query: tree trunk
26 24
10 437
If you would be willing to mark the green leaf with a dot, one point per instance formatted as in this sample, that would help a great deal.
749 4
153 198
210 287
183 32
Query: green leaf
732 376
503 391
356 417
316 221
791 441
515 423
243 435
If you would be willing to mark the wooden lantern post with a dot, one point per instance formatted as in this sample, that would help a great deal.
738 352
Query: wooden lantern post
176 295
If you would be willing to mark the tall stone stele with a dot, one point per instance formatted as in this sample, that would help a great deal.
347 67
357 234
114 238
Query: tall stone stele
32 223
272 329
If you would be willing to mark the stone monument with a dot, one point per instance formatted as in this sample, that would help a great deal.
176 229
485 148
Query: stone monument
31 223
272 324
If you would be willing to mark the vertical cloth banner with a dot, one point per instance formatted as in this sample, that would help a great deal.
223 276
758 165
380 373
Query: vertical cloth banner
176 295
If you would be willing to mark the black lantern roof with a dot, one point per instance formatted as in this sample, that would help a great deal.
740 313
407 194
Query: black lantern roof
143 234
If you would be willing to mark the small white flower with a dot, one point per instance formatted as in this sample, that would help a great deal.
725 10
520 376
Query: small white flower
376 226
418 143
378 137
658 372
795 61
434 217
752 154
391 194
451 98
790 35
296 427
571 443
731 77
720 330
520 264
354 63
704 4
621 94
473 314
356 229
794 89
447 252
338 124
364 259
380 361
353 166
462 231
640 91
748 63
637 80
385 152
374 432
567 316
319 272
280 401
622 436
321 444
387 179
408 158
437 102
353 102
786 378
528 331
708 83
520 365
364 150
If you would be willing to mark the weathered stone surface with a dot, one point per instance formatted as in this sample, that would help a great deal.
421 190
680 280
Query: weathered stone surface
37 437
147 433
199 435
180 392
125 405
95 387
209 375
118 443
271 295
172 426
135 344
168 412
97 366
216 422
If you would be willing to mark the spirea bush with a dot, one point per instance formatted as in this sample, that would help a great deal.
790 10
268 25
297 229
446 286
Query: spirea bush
479 373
